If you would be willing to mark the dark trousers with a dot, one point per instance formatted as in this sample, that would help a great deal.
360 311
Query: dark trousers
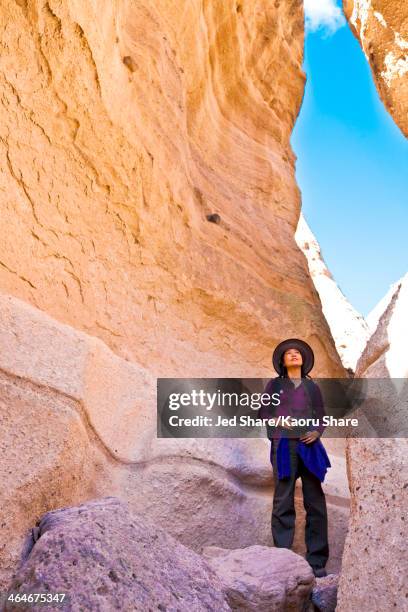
314 501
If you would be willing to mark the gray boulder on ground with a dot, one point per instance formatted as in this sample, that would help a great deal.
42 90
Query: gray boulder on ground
107 559
260 578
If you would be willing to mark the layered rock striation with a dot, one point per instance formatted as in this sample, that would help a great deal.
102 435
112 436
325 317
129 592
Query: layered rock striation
79 422
123 127
149 207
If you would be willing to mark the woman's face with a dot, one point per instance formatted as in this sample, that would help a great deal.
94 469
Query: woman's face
292 357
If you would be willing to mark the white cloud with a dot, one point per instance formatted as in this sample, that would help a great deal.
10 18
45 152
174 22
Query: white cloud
323 14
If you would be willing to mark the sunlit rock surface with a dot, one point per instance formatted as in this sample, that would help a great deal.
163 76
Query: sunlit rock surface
149 208
77 421
386 352
382 29
349 329
377 471
103 557
123 125
375 543
377 467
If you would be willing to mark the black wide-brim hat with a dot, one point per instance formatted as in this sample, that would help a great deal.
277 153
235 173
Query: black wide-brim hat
302 346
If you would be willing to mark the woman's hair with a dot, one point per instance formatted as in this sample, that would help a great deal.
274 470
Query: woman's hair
283 371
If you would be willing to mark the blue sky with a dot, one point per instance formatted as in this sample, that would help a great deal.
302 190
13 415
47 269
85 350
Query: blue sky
352 165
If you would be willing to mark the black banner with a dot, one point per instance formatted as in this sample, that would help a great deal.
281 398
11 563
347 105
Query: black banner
255 407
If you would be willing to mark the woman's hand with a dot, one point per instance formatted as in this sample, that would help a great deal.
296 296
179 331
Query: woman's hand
285 426
310 437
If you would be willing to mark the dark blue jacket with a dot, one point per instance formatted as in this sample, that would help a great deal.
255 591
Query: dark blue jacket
313 455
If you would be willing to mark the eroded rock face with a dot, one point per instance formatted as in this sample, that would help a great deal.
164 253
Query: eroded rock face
349 329
123 125
375 561
48 457
202 504
260 578
104 558
382 29
79 421
385 353
45 461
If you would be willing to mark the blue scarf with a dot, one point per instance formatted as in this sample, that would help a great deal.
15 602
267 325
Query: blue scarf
313 455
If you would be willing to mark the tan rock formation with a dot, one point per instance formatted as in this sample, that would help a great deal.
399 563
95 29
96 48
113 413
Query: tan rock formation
82 423
105 558
377 468
122 126
382 29
46 460
260 578
349 329
385 353
375 561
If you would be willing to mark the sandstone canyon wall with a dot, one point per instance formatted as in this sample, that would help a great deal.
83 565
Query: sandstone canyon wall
375 561
123 126
349 329
381 26
385 354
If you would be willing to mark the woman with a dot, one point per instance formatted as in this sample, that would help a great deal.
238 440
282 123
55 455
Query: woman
296 453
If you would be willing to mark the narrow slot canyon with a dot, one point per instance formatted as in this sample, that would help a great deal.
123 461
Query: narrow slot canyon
152 227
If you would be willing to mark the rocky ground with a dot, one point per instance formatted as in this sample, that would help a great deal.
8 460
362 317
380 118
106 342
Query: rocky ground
149 209
103 558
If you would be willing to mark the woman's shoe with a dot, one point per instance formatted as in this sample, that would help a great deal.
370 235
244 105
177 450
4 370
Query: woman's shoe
319 572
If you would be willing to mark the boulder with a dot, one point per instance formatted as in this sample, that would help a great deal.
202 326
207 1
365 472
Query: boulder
104 558
260 578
